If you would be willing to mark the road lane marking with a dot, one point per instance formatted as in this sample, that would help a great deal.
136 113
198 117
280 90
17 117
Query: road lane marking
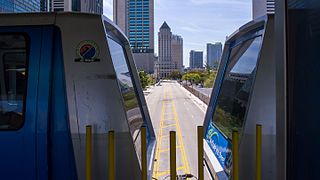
164 150
169 125
185 160
165 136
156 168
168 171
165 104
168 119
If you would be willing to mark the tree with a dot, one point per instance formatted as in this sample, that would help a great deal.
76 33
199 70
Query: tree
175 75
208 68
143 78
216 65
208 82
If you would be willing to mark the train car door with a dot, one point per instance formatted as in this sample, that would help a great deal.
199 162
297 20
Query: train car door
23 103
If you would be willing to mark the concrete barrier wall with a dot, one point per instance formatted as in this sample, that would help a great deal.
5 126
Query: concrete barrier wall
204 98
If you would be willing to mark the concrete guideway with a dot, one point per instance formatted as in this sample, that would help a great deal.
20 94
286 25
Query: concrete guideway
172 108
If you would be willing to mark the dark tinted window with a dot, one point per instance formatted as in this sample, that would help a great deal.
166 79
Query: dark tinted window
130 100
13 81
302 88
232 102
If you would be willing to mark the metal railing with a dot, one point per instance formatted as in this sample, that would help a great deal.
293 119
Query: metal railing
173 170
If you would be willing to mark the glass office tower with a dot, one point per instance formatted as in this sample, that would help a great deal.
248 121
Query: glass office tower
136 20
196 59
19 6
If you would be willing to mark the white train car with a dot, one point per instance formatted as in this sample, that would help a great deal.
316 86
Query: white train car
59 73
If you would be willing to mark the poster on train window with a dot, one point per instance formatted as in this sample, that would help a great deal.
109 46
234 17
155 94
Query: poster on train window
220 147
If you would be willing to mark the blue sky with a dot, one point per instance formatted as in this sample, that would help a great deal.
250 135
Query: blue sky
197 21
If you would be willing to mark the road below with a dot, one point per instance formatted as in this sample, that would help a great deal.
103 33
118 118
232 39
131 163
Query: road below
172 108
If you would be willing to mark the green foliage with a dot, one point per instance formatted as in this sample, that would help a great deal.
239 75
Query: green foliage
130 100
163 78
194 77
208 83
143 78
216 64
175 75
151 80
208 68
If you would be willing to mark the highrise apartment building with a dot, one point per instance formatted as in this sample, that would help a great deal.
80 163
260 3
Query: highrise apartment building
18 6
214 52
177 51
196 59
136 19
262 7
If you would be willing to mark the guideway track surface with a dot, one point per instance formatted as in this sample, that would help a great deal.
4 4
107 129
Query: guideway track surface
189 114
169 121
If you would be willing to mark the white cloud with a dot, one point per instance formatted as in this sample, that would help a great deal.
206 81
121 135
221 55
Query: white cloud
190 29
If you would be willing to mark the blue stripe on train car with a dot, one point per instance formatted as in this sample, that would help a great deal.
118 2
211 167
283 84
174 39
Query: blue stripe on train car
62 161
18 147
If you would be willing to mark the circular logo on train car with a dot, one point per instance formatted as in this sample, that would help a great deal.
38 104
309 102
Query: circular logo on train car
87 51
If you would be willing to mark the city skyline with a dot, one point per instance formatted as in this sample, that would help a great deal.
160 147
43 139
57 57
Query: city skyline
200 28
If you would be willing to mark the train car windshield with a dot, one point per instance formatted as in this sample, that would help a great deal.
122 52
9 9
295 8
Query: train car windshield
130 100
232 102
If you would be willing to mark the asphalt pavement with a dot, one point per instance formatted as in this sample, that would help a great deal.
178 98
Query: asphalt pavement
172 108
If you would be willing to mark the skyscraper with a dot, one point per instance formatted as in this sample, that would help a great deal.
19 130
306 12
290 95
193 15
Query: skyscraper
59 5
177 51
165 65
18 6
136 20
214 52
165 37
262 7
196 59
89 6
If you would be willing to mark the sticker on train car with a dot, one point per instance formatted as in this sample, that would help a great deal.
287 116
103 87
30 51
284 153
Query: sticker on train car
221 148
87 51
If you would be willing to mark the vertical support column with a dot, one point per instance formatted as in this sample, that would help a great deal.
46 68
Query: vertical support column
173 171
144 152
111 156
88 152
258 151
200 152
235 156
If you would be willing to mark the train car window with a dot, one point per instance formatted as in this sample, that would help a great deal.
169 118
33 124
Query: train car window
13 81
232 102
130 100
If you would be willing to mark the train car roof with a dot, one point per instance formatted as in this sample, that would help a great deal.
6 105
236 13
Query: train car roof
247 27
50 18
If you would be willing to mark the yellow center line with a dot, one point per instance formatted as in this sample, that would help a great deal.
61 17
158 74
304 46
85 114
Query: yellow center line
168 113
156 165
167 172
168 119
183 152
169 125
156 173
164 150
165 136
